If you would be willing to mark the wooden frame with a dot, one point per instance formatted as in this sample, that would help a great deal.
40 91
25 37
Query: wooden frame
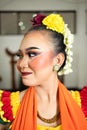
18 22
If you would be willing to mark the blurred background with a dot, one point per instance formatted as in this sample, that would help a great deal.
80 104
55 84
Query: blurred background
15 18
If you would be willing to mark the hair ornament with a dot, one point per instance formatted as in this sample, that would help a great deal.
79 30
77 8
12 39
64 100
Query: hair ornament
68 41
56 23
37 19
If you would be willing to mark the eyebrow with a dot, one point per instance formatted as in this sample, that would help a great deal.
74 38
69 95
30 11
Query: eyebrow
30 48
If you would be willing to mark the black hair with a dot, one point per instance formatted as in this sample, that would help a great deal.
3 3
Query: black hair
58 40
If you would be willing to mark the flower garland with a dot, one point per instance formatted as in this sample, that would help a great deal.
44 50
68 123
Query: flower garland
56 23
6 115
9 103
15 101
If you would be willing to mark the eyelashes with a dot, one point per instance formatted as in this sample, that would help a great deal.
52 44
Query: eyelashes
30 54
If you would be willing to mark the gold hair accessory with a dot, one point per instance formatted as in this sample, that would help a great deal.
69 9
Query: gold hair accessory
51 120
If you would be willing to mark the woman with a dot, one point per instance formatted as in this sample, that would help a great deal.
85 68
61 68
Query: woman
45 53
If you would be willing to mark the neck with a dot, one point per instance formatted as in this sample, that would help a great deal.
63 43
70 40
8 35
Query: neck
48 89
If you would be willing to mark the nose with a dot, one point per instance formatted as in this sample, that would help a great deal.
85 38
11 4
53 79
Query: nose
24 62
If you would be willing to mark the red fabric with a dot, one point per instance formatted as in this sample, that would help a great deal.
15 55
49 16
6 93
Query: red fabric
72 118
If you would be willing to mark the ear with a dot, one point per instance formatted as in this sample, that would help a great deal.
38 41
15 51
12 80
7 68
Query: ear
59 59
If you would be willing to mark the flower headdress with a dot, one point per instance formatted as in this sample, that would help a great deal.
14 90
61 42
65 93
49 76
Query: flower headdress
56 23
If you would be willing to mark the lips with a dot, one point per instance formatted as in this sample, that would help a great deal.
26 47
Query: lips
26 73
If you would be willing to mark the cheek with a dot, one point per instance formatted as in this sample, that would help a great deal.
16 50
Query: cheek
41 62
17 65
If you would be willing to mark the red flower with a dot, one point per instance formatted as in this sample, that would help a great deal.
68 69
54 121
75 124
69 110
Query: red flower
37 20
83 95
7 108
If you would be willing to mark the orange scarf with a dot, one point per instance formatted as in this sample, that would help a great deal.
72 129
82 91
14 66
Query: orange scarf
72 117
26 118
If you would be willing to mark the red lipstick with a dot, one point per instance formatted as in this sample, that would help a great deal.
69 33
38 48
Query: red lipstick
26 73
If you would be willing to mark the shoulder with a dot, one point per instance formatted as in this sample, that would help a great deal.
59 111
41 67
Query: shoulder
21 94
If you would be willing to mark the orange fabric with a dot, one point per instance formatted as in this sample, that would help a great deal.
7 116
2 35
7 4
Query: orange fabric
27 113
72 117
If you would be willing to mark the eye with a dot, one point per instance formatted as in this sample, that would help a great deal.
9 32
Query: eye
19 55
32 54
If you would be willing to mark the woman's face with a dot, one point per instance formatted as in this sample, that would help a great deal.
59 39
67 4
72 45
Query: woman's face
35 61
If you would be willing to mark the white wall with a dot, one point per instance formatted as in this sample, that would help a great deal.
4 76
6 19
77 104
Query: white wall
78 77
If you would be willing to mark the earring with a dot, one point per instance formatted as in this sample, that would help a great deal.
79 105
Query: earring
55 67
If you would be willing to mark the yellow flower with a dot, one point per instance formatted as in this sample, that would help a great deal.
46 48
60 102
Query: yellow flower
54 22
15 101
76 96
1 104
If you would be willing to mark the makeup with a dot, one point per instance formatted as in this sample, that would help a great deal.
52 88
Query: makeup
26 73
42 60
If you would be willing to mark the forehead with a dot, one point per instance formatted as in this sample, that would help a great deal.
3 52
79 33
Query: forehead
39 39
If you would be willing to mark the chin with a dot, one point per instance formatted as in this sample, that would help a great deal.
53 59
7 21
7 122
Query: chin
28 83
